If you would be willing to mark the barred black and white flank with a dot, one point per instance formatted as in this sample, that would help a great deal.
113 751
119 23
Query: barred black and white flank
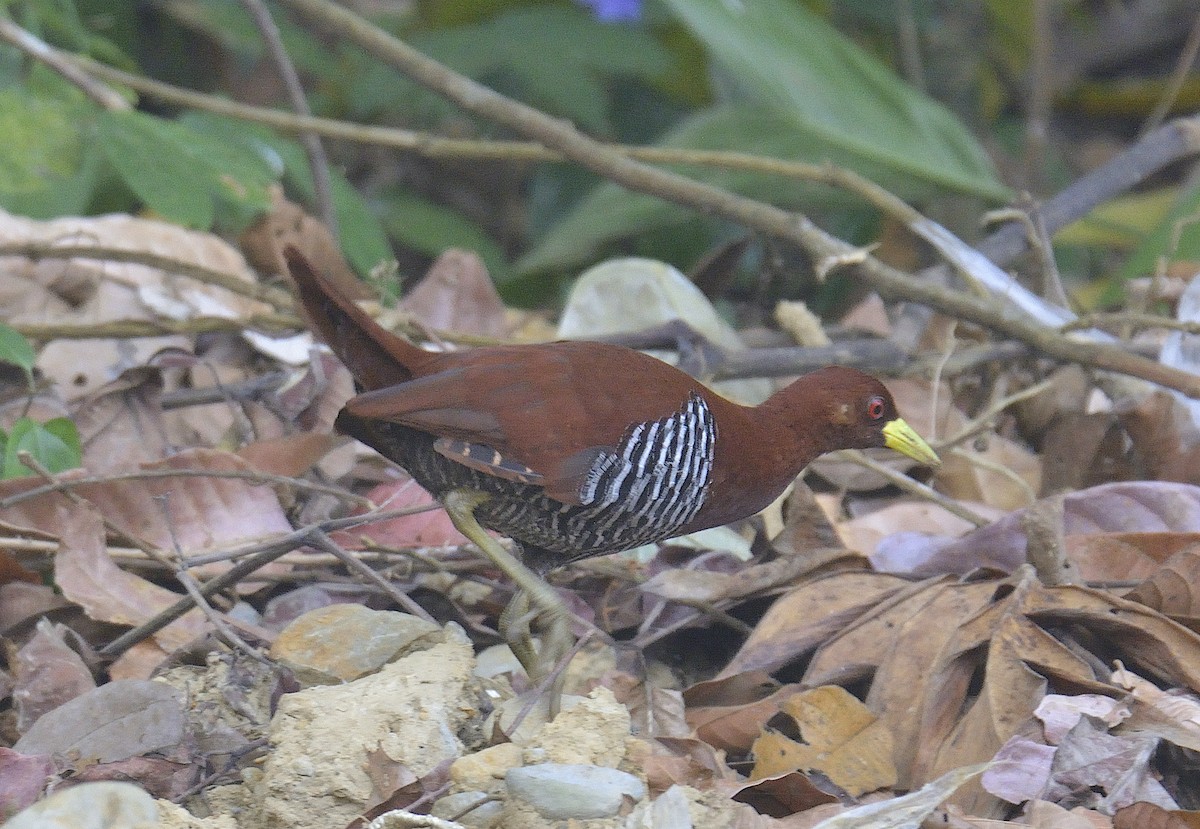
658 477
644 490
652 484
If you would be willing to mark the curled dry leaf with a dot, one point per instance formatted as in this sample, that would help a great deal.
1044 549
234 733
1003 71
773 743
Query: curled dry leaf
838 737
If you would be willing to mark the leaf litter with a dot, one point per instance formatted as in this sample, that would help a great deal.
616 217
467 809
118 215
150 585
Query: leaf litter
872 646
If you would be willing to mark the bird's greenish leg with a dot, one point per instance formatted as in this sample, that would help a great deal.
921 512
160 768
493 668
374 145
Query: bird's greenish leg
535 602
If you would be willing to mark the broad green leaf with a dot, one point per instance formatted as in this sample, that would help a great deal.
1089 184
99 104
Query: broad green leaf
559 57
610 212
843 105
16 350
181 173
54 444
431 229
41 139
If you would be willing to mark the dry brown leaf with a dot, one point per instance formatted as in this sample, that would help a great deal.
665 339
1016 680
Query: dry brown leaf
287 224
1171 589
1042 814
1172 716
1135 633
713 586
432 528
457 294
91 291
289 456
908 638
806 616
47 673
967 479
1130 507
787 794
1148 816
864 532
121 423
88 577
734 728
838 737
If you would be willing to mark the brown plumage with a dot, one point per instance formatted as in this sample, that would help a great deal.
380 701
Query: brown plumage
584 448
549 410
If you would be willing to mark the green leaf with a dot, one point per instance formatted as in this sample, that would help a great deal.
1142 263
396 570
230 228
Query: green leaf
431 228
54 444
558 57
17 350
843 105
181 173
41 139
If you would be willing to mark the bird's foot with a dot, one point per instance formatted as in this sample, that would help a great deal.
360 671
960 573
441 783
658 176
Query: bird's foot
535 605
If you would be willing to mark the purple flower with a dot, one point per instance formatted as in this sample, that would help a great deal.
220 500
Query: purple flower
614 11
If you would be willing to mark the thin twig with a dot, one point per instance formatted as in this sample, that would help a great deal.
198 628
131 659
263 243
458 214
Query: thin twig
39 50
277 298
64 484
322 541
318 161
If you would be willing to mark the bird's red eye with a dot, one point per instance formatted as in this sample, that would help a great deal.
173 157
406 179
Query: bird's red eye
875 408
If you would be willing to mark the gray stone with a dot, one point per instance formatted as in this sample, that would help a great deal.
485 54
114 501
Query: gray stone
561 791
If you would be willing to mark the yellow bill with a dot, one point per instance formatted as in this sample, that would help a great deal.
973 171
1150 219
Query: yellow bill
900 437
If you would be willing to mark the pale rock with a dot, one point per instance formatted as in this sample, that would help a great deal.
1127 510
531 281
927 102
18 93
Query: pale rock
565 791
412 710
343 642
106 805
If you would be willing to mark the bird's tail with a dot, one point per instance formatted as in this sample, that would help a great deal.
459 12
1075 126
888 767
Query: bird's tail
375 357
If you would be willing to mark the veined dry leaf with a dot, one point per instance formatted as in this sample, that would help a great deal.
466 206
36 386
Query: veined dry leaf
838 737
1136 634
806 616
88 577
1100 770
904 641
957 730
115 721
191 513
1136 556
734 728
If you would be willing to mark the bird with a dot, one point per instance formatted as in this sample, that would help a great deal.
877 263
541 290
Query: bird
575 449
